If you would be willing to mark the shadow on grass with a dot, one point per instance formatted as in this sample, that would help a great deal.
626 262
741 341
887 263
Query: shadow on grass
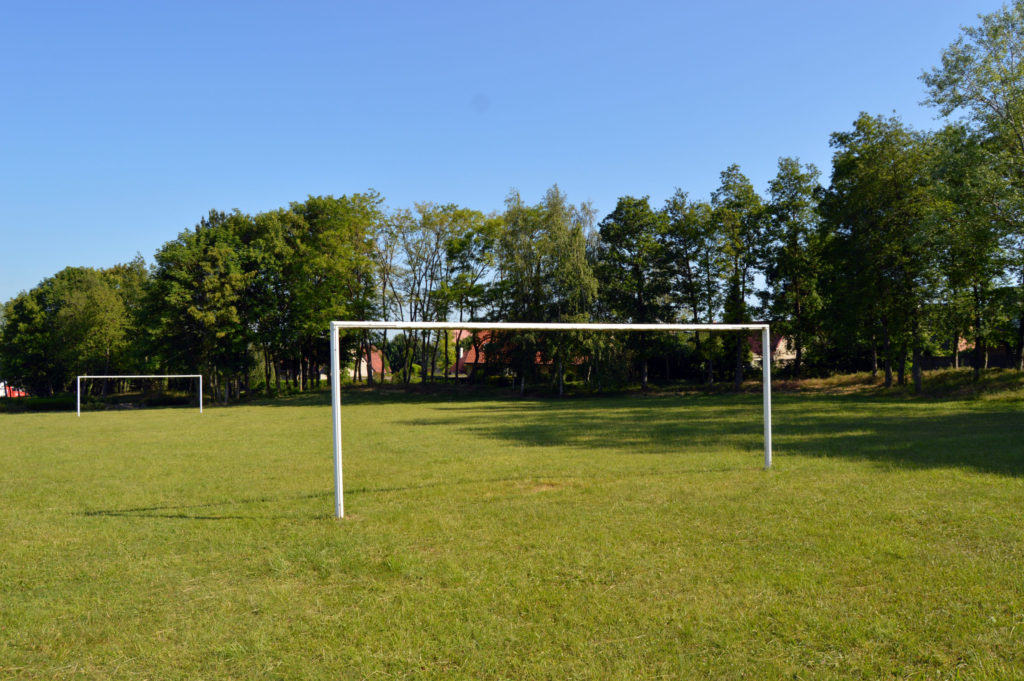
888 432
181 511
909 434
435 393
983 437
354 395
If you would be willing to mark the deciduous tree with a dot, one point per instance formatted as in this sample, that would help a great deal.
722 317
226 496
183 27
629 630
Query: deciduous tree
981 78
633 268
739 218
793 256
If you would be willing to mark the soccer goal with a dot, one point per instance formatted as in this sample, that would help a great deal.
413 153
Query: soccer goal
78 385
336 327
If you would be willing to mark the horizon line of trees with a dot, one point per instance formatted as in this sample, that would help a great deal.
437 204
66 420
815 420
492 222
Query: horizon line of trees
916 242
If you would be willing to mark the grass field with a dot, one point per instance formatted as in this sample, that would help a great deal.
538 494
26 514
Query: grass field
614 538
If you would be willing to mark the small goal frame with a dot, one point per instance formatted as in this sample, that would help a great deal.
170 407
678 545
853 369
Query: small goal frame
78 385
337 326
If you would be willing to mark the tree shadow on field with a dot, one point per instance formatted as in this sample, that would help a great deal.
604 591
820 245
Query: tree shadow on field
207 512
439 393
908 434
904 434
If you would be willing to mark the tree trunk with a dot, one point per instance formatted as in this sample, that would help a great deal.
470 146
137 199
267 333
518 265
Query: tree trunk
369 359
916 371
270 370
737 381
979 342
446 364
423 358
916 357
980 354
697 351
798 360
1018 359
887 352
409 354
433 361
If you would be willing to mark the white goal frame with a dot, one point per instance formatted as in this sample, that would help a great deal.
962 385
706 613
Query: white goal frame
337 326
78 385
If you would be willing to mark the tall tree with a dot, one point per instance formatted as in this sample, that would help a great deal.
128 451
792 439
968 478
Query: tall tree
195 302
71 323
695 267
334 251
571 285
982 78
422 239
973 258
793 255
130 281
471 252
268 307
633 268
543 275
739 217
880 210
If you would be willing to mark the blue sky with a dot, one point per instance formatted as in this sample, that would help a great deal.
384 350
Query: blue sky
122 123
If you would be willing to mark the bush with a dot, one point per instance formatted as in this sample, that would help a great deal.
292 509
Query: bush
22 404
169 400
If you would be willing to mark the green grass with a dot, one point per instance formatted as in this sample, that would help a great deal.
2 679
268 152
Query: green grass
615 538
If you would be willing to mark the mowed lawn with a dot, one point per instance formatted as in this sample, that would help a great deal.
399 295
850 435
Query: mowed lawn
597 538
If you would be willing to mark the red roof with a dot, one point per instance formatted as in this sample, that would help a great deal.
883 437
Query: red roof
376 359
754 343
10 391
471 357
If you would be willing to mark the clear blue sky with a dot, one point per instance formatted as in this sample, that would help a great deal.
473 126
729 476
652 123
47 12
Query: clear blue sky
122 123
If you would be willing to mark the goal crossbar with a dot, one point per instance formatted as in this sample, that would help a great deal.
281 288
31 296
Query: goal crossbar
338 326
78 385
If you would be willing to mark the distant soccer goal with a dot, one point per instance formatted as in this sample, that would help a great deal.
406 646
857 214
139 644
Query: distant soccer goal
78 385
336 327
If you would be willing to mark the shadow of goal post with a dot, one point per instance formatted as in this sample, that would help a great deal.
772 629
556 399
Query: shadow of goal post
337 326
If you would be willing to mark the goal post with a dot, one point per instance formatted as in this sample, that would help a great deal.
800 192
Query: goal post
78 385
338 326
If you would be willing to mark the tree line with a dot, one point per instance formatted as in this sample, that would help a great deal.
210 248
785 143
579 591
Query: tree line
914 248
